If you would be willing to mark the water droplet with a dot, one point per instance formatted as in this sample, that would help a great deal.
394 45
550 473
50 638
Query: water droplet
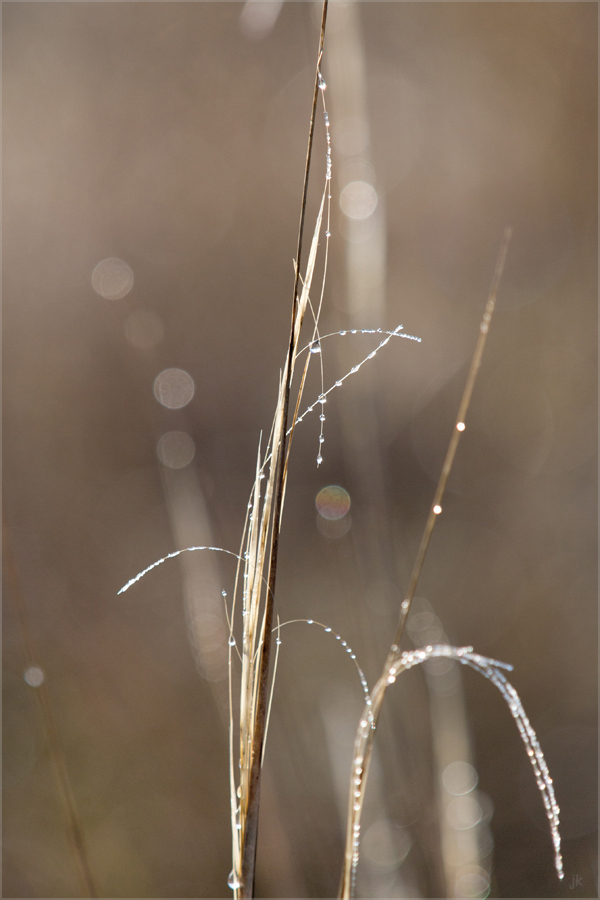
223 593
309 621
327 234
328 629
315 347
319 459
353 331
232 641
322 398
321 418
321 439
460 426
322 83
233 881
343 332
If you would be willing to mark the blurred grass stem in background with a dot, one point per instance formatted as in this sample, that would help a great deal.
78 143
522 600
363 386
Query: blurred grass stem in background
73 823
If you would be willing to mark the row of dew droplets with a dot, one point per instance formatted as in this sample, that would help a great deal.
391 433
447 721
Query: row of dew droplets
328 630
316 346
322 399
491 669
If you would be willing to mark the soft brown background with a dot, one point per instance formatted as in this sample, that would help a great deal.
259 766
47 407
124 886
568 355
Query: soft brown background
161 134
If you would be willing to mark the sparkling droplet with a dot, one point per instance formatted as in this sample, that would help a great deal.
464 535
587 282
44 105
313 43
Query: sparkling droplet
232 641
321 418
315 347
327 234
437 509
321 439
460 426
310 621
322 398
322 83
319 459
233 881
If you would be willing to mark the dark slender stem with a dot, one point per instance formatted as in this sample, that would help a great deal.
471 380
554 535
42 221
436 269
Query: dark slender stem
73 820
456 433
251 820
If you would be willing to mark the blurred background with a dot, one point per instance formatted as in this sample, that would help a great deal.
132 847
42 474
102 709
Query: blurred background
153 165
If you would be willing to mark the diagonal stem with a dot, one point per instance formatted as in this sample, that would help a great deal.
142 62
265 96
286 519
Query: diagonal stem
456 433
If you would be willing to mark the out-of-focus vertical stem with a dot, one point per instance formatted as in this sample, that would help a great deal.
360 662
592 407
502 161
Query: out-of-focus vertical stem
73 820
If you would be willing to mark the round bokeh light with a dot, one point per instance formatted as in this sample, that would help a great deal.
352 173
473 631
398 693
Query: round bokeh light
174 388
358 200
112 278
333 502
176 449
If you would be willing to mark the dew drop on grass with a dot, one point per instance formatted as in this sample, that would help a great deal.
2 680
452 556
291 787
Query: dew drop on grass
315 347
233 881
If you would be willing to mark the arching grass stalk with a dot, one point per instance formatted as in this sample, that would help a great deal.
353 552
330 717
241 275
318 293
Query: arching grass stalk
395 661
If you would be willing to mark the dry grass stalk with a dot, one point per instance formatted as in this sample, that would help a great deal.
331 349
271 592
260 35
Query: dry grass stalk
262 545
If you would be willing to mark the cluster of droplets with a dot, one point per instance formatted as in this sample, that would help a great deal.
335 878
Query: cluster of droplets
322 87
493 670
